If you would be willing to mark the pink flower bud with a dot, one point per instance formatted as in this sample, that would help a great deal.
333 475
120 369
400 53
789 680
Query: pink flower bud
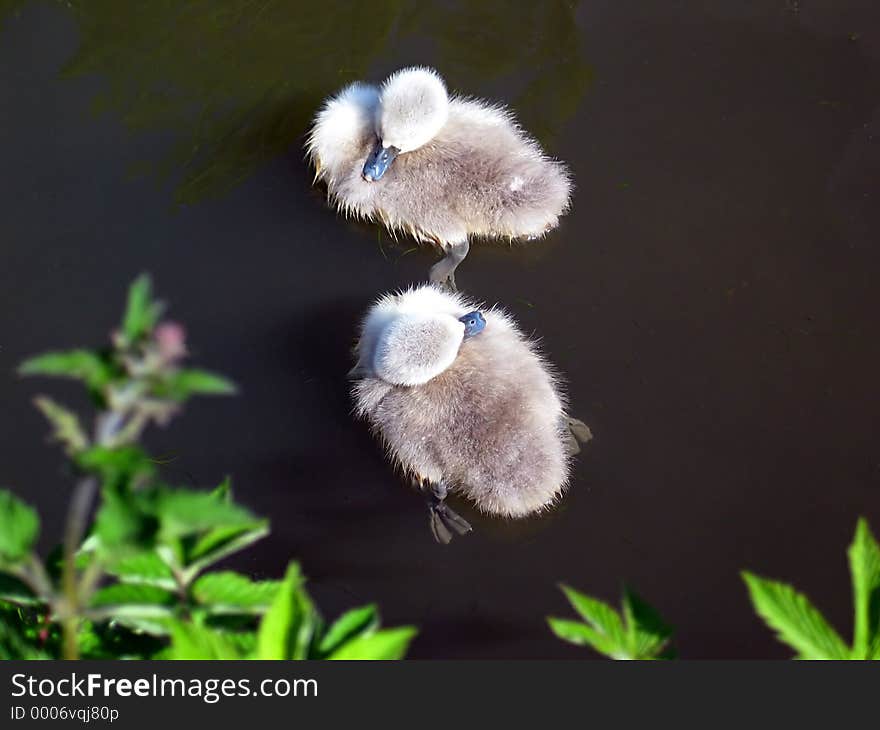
170 338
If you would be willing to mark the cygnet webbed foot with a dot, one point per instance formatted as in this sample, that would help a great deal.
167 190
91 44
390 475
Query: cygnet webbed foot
576 433
444 521
443 272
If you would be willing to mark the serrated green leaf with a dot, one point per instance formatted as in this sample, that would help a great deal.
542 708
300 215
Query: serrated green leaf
288 627
576 632
141 312
864 564
66 427
184 512
91 367
639 633
141 608
385 644
146 568
347 626
19 527
647 633
198 528
185 383
220 542
797 622
121 594
227 591
602 617
191 641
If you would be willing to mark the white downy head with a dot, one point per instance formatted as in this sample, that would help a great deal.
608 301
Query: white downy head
413 108
412 337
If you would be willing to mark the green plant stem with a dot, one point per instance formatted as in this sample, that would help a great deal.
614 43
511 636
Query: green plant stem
89 580
182 588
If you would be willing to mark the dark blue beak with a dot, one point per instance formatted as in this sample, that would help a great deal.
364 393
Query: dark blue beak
379 161
474 323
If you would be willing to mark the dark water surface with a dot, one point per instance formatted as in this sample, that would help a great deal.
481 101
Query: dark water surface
712 297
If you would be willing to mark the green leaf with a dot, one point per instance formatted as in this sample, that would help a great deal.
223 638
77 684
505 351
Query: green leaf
244 640
142 608
219 543
122 524
383 644
184 512
118 465
223 491
288 627
120 594
273 636
864 565
795 620
347 626
141 312
647 633
154 621
602 617
66 427
230 592
146 568
639 633
580 634
19 527
191 641
197 528
185 383
91 367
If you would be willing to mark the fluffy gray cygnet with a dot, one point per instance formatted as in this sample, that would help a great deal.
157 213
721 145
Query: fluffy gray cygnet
440 168
464 404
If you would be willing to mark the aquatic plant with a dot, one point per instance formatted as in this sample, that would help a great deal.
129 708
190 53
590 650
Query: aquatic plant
132 577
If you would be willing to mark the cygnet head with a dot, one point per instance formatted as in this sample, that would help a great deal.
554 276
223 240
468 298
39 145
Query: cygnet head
411 338
413 108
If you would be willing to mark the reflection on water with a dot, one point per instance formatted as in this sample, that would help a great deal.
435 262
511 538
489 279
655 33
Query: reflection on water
539 42
238 80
